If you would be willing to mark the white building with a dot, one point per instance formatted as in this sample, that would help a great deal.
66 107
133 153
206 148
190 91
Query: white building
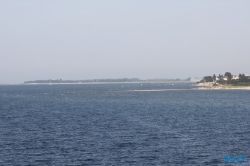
235 77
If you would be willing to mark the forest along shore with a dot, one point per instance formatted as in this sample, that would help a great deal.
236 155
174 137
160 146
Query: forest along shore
228 81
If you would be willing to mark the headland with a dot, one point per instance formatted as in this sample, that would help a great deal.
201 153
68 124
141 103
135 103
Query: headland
226 81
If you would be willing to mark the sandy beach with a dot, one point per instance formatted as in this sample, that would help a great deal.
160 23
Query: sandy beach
224 87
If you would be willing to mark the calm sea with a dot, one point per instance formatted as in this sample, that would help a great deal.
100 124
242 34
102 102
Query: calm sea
111 124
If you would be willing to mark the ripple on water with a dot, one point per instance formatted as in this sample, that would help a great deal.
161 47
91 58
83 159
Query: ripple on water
104 125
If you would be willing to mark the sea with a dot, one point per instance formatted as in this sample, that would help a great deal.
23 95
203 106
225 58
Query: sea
123 124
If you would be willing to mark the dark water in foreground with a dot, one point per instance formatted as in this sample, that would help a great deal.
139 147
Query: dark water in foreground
110 125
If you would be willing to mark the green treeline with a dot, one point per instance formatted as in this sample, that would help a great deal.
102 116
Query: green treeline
228 78
58 81
83 81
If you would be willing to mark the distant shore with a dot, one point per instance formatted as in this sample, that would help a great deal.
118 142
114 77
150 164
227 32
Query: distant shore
209 85
139 82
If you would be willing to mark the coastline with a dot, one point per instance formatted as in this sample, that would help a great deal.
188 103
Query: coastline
233 87
82 83
200 88
222 88
209 86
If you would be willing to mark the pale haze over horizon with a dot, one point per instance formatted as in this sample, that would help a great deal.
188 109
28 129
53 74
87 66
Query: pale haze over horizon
87 39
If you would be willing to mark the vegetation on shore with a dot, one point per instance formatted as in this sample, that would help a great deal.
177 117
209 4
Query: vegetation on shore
227 80
119 80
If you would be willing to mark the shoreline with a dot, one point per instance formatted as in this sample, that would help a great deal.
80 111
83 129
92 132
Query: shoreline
224 88
199 89
203 88
209 86
200 86
83 83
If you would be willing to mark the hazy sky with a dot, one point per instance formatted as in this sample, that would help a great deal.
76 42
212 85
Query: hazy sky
86 39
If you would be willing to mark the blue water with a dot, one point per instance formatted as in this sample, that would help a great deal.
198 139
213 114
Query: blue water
110 124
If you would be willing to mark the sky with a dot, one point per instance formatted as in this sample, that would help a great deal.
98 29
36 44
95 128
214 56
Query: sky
146 39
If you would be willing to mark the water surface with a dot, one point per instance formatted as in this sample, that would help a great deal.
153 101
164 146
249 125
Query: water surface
111 124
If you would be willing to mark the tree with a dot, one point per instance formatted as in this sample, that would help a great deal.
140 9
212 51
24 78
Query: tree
208 79
242 77
214 77
229 76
